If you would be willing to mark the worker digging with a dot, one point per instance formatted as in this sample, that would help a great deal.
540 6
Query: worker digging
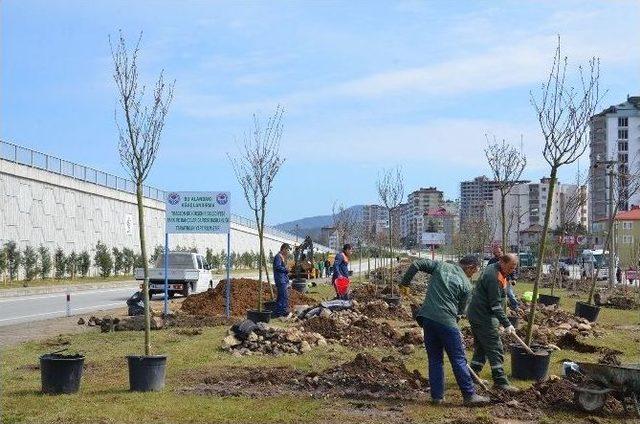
445 301
486 312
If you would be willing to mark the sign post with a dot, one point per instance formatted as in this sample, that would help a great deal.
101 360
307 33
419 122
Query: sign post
197 212
432 240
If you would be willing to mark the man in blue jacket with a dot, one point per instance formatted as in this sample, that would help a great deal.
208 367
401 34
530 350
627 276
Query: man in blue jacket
341 265
281 279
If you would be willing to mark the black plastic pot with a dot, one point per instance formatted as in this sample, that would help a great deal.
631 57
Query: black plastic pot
300 285
584 310
513 321
525 366
392 300
548 300
257 316
61 373
146 373
270 306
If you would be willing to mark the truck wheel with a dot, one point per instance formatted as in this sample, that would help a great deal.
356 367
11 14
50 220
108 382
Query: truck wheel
172 294
186 289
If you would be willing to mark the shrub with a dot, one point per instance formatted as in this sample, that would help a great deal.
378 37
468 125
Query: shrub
118 260
157 252
103 260
30 263
59 263
84 263
45 262
72 264
13 259
129 259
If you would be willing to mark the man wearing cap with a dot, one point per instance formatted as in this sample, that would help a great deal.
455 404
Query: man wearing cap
486 313
446 299
281 279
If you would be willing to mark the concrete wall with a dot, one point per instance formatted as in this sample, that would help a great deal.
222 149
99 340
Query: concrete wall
39 207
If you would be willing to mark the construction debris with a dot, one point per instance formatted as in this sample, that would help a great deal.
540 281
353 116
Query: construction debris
261 339
244 296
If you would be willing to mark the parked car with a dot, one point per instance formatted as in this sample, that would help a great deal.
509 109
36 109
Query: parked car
186 272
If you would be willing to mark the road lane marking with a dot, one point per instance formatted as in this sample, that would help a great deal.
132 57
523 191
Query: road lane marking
63 294
73 310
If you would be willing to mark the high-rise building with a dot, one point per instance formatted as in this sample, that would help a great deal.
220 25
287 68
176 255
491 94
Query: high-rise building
614 135
476 197
526 204
374 218
419 203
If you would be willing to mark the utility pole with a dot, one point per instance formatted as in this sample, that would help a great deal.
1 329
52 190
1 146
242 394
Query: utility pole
610 171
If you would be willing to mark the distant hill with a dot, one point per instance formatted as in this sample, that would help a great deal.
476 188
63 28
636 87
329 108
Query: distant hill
312 225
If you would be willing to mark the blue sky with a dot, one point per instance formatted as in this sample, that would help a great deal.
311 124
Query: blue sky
365 85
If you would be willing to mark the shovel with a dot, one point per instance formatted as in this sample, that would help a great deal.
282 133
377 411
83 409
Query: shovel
526 346
476 378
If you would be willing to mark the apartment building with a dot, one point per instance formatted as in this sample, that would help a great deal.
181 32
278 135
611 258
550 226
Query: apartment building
420 202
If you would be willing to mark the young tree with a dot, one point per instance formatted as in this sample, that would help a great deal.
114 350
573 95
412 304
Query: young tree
3 262
59 263
118 260
139 130
507 164
563 113
103 259
14 259
72 264
45 262
390 187
128 260
256 168
158 252
84 263
30 263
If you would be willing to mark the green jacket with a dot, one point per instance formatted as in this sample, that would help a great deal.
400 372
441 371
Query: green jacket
488 300
447 293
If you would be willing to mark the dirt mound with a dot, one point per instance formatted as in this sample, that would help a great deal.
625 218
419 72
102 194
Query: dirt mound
352 329
244 296
554 393
381 309
610 358
363 378
368 377
623 298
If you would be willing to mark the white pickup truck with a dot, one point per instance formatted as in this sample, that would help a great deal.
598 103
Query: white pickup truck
187 271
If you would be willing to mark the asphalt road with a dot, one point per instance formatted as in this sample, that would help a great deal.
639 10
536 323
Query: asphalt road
24 309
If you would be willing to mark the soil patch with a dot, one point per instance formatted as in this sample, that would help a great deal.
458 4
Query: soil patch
610 358
363 378
244 296
352 329
618 299
381 309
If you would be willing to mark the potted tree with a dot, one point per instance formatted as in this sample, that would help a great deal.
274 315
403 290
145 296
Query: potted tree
256 168
139 130
563 113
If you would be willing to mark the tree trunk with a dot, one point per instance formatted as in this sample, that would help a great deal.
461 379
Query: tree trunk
145 267
391 254
543 241
263 254
503 218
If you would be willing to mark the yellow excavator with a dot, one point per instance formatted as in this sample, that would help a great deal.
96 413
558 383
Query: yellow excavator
301 267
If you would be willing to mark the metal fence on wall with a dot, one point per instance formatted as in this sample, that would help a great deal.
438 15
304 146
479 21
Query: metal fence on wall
25 156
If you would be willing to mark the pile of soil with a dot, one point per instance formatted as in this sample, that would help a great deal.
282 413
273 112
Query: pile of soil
554 393
381 309
571 341
621 298
552 324
363 378
244 296
368 377
352 329
610 358
268 340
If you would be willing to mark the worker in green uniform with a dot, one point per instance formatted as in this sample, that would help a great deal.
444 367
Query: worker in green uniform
486 313
446 299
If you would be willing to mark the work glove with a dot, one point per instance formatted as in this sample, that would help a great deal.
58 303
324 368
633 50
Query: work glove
510 330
